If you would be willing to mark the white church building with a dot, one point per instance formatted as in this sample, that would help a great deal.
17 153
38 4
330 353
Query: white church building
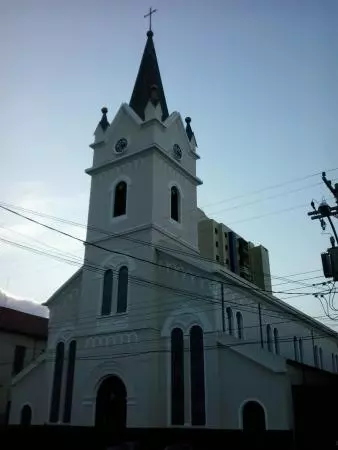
147 333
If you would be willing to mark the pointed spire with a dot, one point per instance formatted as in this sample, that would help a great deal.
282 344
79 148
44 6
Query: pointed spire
104 121
148 85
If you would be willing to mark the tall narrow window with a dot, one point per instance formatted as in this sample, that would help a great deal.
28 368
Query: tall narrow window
276 340
19 359
295 348
175 204
26 415
320 351
315 355
57 381
107 292
177 377
67 412
336 363
333 363
122 291
269 337
230 320
120 199
239 319
300 343
197 376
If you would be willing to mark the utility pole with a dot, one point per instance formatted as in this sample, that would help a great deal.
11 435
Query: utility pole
322 213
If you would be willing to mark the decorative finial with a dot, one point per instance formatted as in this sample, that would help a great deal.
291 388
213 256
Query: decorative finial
104 121
188 129
150 13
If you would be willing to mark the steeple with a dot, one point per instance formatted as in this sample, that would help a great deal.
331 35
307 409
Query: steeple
148 85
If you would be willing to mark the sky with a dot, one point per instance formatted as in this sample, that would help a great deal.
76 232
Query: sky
258 78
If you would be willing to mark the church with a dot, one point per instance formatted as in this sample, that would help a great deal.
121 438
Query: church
148 333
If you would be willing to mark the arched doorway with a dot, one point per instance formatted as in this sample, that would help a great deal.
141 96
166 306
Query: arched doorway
253 416
26 415
111 404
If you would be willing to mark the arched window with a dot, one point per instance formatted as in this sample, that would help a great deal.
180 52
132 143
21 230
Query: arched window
295 348
67 412
197 376
320 351
239 320
107 292
253 417
26 415
175 204
57 382
300 343
276 340
122 291
120 199
177 377
269 337
230 320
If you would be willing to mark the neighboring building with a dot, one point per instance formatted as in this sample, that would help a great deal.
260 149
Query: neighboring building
23 338
147 333
219 243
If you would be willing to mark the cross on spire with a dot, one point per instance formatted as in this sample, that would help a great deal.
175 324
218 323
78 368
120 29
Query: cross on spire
150 13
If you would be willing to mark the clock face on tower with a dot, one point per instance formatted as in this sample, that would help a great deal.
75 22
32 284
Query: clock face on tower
177 151
121 145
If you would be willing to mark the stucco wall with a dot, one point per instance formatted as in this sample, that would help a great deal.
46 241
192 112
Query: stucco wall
8 342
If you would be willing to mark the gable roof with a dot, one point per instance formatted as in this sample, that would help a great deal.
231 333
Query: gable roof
213 270
13 321
63 286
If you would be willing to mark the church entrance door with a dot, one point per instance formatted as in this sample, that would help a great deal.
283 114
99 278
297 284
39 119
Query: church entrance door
111 404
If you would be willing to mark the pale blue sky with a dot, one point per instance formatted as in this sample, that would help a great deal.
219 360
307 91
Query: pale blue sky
258 77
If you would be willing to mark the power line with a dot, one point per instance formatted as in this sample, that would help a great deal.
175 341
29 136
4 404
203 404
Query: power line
275 186
250 307
129 238
286 339
136 257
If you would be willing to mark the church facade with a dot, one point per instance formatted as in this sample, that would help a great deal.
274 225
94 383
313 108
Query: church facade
147 333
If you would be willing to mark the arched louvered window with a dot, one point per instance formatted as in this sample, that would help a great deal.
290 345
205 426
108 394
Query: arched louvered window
177 377
276 340
239 320
197 376
120 199
269 337
300 344
295 348
67 412
122 291
26 415
230 320
107 293
57 383
175 204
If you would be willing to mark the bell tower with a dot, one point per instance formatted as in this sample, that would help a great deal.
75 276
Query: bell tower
144 166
